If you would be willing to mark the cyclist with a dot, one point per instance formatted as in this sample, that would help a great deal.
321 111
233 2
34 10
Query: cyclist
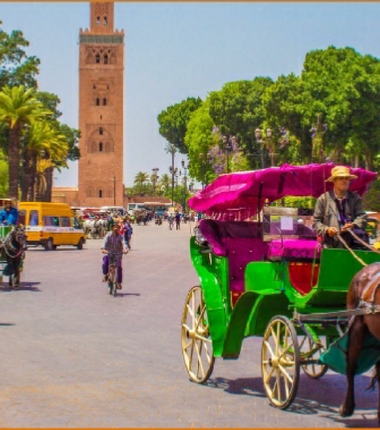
114 243
9 215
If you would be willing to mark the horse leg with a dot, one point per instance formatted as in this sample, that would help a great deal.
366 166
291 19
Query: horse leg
355 344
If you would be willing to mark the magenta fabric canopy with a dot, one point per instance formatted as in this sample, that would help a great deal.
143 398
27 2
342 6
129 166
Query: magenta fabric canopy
241 195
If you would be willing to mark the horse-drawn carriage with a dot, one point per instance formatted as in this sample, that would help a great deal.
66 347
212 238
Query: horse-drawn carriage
263 273
12 253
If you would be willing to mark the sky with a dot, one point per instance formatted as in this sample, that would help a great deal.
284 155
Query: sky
178 50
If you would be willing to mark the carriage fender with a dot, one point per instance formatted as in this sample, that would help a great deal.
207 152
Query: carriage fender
248 306
216 313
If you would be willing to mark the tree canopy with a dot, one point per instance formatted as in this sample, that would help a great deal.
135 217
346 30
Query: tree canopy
329 112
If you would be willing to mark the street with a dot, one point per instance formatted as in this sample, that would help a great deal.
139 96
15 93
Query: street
74 356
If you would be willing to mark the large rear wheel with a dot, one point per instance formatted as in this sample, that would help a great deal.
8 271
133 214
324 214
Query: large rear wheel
280 362
196 342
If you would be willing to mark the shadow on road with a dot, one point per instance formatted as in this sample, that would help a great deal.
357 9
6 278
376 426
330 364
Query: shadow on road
24 286
324 399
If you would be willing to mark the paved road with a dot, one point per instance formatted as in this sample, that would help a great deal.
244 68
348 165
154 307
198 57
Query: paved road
73 356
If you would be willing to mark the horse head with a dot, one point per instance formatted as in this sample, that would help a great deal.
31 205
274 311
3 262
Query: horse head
17 237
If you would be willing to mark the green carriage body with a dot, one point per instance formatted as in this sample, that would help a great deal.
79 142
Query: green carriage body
268 291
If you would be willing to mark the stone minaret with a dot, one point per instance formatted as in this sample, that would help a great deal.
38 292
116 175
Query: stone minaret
101 119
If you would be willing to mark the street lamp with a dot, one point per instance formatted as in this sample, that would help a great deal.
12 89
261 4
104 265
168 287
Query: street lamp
229 143
203 165
266 141
154 179
173 170
185 183
318 130
114 190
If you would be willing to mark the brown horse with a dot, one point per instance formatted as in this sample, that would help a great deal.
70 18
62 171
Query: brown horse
364 292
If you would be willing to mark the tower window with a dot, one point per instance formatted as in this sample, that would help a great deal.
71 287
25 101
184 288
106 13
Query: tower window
105 21
94 87
98 20
101 116
97 101
97 58
104 102
100 193
101 130
105 59
100 146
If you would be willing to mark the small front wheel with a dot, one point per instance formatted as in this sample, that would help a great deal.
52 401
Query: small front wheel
197 348
280 362
311 349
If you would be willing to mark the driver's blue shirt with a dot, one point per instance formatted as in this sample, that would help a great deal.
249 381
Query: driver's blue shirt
9 217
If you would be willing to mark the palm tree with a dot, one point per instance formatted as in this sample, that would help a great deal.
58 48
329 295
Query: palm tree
18 107
164 182
140 179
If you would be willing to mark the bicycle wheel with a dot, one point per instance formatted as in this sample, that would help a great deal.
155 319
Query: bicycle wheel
114 290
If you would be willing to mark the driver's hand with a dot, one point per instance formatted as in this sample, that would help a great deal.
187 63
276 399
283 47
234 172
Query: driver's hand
125 251
104 251
347 226
332 231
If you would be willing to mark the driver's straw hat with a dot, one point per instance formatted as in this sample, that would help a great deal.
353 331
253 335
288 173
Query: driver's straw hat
340 172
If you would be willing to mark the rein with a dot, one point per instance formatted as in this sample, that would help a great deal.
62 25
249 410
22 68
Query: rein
351 251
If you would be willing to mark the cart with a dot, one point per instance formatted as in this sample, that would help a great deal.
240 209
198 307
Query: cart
263 273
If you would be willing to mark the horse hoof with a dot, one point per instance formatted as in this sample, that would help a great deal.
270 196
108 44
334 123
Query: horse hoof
345 412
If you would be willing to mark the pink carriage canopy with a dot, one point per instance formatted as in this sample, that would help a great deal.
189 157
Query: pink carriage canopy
241 195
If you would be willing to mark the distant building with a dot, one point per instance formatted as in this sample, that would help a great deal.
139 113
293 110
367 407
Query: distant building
101 120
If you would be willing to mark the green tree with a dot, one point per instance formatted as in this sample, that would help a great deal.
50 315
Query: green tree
173 122
18 107
237 109
371 199
16 68
4 172
339 90
140 182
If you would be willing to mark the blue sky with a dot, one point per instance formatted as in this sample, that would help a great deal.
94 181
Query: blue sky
179 50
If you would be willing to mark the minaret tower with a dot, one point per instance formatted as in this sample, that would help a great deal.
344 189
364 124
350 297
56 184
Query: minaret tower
101 95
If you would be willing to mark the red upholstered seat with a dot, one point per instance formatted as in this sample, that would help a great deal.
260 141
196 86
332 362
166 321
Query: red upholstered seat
303 276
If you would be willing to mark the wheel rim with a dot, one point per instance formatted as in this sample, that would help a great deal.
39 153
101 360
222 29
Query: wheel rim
280 360
312 349
196 342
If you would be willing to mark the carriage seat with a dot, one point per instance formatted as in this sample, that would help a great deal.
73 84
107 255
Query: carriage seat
294 250
241 242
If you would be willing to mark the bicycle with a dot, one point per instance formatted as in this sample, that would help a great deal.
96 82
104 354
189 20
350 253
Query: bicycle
112 273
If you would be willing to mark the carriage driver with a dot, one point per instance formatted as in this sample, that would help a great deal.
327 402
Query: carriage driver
114 243
8 215
339 210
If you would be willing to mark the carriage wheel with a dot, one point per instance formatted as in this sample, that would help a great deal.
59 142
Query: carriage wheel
49 245
280 362
196 342
312 349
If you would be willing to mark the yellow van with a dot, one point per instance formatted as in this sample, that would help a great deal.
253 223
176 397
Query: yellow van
50 225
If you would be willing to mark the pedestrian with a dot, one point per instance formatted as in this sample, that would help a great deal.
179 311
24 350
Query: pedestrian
128 231
177 220
339 210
